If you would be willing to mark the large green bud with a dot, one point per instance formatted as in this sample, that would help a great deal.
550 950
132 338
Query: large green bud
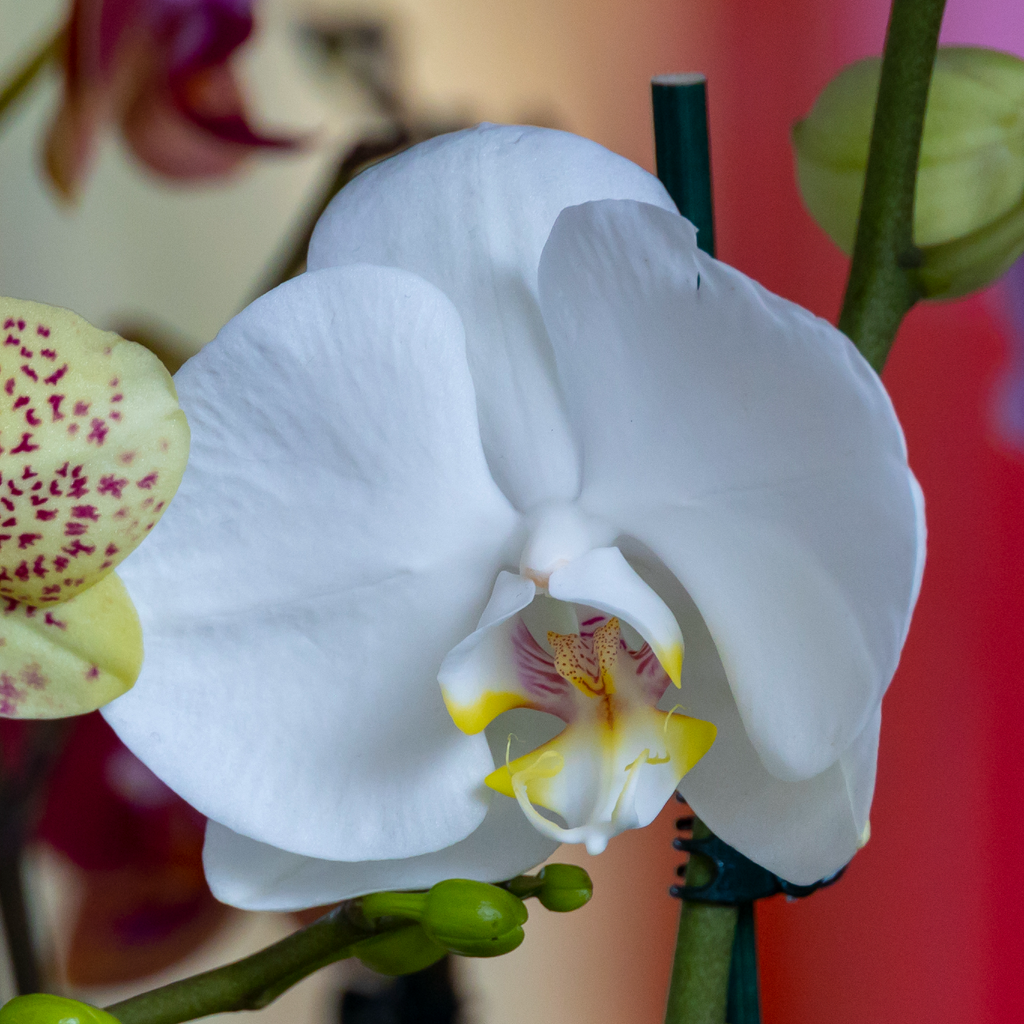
46 1009
969 203
461 916
473 918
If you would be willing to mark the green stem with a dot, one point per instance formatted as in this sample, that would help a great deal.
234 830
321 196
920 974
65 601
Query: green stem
29 71
882 286
256 980
699 985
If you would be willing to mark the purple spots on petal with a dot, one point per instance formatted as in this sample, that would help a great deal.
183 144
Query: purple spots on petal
99 431
78 548
25 445
32 676
112 485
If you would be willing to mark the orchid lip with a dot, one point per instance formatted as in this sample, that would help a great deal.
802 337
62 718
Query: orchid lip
600 774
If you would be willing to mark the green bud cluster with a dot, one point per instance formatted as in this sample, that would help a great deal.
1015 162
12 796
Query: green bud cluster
969 202
47 1009
463 917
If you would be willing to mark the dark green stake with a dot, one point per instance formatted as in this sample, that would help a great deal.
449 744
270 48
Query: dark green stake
744 1002
681 149
697 993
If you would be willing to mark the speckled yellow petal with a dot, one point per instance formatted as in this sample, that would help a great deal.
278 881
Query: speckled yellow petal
71 658
92 448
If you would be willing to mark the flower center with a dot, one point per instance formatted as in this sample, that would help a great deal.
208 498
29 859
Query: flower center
589 666
619 758
593 773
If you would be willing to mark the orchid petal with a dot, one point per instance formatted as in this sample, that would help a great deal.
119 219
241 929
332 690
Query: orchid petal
92 448
70 659
859 765
333 539
480 678
803 830
756 453
471 212
603 579
255 876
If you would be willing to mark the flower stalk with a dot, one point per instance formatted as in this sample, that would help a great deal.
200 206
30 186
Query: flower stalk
883 285
393 932
23 78
698 988
256 980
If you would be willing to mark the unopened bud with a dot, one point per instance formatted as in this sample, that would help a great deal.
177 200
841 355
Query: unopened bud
559 887
469 918
971 171
564 887
47 1009
473 918
402 951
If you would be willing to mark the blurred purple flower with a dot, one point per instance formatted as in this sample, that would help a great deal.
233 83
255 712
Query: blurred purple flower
159 70
1010 394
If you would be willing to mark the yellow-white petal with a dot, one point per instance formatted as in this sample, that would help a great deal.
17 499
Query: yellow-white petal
92 448
71 658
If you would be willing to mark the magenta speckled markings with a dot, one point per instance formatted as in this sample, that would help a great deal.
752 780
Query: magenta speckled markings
81 456
553 682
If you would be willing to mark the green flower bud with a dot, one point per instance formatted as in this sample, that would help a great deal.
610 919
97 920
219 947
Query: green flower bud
971 171
564 887
47 1009
473 918
402 951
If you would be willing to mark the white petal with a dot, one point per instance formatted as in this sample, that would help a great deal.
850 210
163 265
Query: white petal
802 830
255 876
604 580
511 594
479 677
859 765
336 533
756 452
471 212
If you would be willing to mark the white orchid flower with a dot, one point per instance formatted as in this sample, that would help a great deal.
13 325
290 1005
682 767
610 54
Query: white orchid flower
476 475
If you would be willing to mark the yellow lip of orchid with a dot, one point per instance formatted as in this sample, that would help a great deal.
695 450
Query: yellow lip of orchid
93 446
618 758
616 743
